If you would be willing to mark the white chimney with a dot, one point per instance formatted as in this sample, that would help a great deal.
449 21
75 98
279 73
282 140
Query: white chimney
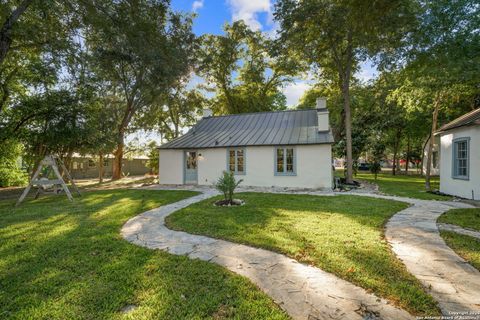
207 113
322 114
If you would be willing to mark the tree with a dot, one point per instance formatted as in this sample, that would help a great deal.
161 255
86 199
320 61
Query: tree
245 70
141 51
153 157
443 66
11 174
7 28
176 109
335 36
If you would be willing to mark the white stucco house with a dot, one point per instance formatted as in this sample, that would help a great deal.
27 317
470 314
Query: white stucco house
460 156
267 149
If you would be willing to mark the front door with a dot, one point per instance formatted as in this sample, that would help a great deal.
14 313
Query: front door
191 171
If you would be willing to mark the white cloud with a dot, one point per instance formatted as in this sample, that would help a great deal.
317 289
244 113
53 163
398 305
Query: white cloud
247 10
294 91
197 4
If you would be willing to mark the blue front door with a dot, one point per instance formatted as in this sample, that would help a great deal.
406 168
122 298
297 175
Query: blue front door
191 169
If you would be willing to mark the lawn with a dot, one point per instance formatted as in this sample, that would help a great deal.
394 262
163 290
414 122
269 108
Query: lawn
466 247
412 186
342 235
62 260
466 218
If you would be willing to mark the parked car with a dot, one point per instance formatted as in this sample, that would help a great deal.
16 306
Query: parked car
363 167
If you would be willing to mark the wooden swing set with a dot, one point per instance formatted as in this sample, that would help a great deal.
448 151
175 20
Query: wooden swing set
46 186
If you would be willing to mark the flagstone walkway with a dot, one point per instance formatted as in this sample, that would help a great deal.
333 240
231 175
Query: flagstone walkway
459 230
306 292
415 239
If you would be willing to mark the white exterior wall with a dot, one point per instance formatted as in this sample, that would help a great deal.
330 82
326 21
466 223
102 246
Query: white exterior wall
170 169
313 167
458 187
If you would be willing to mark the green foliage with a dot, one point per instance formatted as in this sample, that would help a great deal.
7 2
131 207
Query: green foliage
172 111
227 185
11 174
153 157
245 70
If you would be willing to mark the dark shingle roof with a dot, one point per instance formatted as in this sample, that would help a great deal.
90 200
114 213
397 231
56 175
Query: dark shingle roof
254 129
471 118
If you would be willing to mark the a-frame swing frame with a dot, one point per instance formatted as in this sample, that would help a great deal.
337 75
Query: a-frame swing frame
50 162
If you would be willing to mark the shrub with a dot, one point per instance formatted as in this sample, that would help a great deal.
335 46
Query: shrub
11 174
375 168
227 185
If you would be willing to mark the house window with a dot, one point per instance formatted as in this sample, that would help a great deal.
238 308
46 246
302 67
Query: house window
435 159
285 161
236 160
91 163
461 158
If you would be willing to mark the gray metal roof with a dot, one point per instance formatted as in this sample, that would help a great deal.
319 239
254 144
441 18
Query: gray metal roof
254 129
468 119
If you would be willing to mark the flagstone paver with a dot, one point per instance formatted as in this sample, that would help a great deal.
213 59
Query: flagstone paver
304 292
307 292
459 230
415 239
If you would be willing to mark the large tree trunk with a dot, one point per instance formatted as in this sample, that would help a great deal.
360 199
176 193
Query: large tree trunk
423 154
6 30
348 129
117 161
407 161
431 142
101 169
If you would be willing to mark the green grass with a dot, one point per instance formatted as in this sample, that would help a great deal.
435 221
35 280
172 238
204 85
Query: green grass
342 235
412 186
466 247
466 218
61 260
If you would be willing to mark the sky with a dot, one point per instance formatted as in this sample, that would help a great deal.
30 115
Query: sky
258 14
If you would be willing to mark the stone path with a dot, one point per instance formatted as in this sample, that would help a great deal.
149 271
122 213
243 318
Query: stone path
459 230
307 292
304 292
415 239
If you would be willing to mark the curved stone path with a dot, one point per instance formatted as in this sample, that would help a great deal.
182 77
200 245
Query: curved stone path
459 230
306 292
415 239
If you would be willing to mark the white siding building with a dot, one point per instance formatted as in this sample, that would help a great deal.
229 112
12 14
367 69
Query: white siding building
267 149
460 156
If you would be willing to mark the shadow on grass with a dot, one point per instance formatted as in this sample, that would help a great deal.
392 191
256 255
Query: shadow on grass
63 260
342 235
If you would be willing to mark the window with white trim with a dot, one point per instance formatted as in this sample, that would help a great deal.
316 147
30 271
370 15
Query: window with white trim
460 158
236 160
285 161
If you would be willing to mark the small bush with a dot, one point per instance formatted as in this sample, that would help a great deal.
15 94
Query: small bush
227 185
11 174
375 168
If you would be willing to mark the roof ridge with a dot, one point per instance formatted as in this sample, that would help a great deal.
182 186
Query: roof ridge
458 121
259 112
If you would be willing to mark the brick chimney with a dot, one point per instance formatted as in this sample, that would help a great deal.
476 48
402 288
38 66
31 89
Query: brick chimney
322 114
